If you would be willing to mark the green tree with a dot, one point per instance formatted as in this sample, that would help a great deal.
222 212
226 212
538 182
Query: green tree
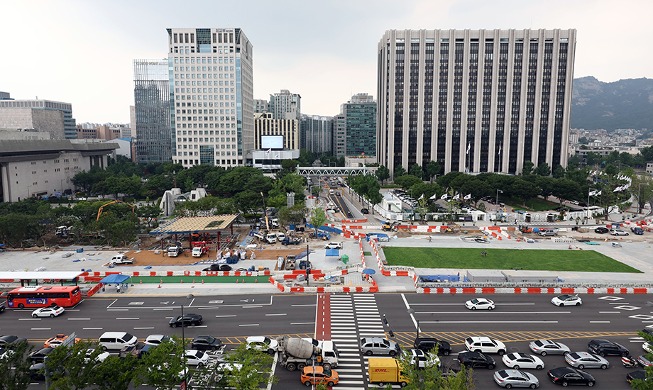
248 201
318 218
14 368
292 215
382 173
399 171
432 169
415 170
543 170
163 366
70 367
407 181
248 369
646 384
528 169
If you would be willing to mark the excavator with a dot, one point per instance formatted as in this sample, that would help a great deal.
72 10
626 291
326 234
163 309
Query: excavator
101 209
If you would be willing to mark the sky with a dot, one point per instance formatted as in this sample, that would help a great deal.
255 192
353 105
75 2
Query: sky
82 51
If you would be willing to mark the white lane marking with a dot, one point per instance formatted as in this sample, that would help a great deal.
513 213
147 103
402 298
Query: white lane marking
412 316
29 319
302 323
117 309
306 305
599 322
642 317
111 304
276 314
251 307
41 328
462 304
127 318
144 328
609 312
248 325
225 316
493 312
136 303
79 319
191 302
164 309
489 322
627 307
611 298
92 328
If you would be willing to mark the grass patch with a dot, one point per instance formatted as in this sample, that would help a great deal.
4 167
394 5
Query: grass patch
367 253
528 259
198 279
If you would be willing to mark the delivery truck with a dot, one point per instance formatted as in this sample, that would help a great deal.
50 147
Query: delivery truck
385 370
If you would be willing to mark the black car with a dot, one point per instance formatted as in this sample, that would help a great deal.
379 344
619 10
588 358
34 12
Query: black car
365 211
206 343
291 241
476 360
218 267
639 374
637 230
427 344
7 341
2 307
604 347
601 230
568 376
186 320
40 355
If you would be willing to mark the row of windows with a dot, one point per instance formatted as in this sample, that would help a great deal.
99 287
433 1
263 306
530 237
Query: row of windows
205 125
222 146
203 60
217 153
205 75
186 162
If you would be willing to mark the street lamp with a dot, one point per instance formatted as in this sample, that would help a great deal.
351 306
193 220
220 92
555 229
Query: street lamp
497 198
639 198
411 311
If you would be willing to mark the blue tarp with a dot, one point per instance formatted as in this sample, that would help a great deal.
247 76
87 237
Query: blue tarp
333 252
114 278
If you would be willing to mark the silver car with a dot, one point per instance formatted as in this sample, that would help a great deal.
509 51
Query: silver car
516 378
583 360
548 347
378 346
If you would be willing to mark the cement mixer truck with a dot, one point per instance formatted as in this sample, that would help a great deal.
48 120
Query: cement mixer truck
296 353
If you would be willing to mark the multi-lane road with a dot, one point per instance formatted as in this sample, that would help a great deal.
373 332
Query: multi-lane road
516 320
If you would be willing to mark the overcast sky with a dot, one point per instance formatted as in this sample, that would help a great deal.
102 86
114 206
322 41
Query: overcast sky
81 51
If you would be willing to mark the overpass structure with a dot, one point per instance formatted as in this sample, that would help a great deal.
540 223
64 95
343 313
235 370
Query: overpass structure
335 171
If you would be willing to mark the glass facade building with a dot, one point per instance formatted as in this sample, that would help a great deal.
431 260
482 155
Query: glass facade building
316 133
356 135
474 100
154 141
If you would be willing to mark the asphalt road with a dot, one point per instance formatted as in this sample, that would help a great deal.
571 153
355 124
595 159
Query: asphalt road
517 320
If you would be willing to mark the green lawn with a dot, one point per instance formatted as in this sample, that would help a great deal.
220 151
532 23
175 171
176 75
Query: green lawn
528 259
533 204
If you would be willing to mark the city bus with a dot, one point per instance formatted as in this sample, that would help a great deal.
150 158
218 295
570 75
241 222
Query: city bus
44 296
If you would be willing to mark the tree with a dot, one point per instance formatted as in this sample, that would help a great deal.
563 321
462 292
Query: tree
161 367
399 171
382 173
528 168
432 378
318 218
543 170
292 215
432 169
116 373
407 181
415 170
647 384
14 368
248 369
70 368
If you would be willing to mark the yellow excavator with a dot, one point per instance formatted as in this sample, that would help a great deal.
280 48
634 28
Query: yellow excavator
101 209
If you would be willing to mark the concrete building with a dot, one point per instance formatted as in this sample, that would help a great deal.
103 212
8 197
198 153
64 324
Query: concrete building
155 140
285 105
316 134
273 133
23 134
475 100
5 96
31 119
356 135
211 79
48 105
44 168
261 106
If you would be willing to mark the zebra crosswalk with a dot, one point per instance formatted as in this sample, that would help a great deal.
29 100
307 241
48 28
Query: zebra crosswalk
353 316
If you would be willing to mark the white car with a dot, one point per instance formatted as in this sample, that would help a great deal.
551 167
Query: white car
262 343
567 300
421 359
648 346
196 358
52 311
333 245
520 360
281 237
485 345
156 339
102 355
618 232
480 304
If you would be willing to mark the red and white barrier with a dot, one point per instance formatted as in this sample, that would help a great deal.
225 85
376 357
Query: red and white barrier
534 290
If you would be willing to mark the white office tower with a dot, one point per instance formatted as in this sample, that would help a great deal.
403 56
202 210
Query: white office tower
474 100
212 90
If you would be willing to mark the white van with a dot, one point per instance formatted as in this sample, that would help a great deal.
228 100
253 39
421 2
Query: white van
271 238
117 340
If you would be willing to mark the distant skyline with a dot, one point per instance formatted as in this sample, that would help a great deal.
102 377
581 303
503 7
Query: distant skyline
82 52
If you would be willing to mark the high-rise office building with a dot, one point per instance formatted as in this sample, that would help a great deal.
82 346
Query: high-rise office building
316 134
475 100
285 105
66 109
356 127
261 106
155 140
211 85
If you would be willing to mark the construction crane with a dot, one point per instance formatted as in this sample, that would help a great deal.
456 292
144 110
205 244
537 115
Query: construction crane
101 209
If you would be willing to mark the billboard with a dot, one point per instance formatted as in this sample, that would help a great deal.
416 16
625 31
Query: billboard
272 142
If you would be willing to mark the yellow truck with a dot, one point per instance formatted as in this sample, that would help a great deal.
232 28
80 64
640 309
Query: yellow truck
385 370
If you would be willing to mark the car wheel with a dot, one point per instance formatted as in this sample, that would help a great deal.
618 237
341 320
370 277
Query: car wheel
301 366
580 366
34 315
21 306
565 384
403 384
51 315
307 383
368 353
291 367
539 367
393 353
478 351
490 367
329 384
501 352
508 386
271 351
560 305
577 303
624 354
473 307
543 353
446 352
533 386
604 366
516 367
381 384
590 384
490 308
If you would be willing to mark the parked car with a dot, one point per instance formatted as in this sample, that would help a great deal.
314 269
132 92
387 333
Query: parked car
644 361
196 358
618 232
638 374
291 241
40 355
568 376
156 339
515 378
206 343
427 344
480 304
186 320
548 347
476 360
604 347
567 300
100 355
485 345
648 346
52 311
586 360
378 346
637 230
57 340
9 341
421 359
262 343
519 360
333 245
601 230
365 211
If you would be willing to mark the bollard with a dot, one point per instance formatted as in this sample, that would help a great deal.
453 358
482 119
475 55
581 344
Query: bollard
202 281
159 285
